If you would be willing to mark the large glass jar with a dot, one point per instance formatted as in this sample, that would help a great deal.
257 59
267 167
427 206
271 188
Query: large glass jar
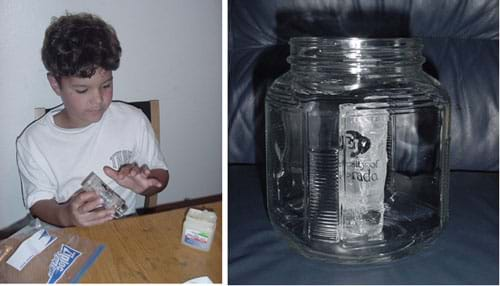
357 140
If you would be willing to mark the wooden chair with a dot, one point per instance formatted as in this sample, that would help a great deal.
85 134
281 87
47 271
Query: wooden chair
151 109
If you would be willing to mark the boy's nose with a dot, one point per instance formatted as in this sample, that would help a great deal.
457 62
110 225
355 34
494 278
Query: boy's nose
97 98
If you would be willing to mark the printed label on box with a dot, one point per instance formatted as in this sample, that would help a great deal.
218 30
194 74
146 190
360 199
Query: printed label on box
196 238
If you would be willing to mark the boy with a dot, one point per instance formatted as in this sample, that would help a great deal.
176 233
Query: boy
87 133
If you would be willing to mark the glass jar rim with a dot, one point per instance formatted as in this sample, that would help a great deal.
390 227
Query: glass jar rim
357 42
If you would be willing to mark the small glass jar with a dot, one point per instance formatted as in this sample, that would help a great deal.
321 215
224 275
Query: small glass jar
357 143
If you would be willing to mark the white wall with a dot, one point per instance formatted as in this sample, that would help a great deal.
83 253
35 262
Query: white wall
171 52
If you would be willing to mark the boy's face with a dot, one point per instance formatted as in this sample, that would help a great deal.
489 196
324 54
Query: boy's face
85 99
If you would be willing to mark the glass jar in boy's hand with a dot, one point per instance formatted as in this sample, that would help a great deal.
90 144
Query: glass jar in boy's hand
357 140
110 199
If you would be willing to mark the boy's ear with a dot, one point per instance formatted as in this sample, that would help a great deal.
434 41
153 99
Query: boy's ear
54 83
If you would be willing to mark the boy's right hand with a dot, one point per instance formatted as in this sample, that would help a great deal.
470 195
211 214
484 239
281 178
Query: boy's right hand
86 209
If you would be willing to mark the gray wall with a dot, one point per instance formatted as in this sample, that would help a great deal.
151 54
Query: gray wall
171 52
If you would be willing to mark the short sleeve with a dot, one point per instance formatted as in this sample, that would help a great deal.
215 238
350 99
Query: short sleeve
35 181
148 150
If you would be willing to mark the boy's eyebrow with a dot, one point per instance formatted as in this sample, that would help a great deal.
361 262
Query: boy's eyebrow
85 85
79 85
109 79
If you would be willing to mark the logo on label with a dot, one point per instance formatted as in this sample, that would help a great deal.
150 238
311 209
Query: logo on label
362 170
61 262
356 142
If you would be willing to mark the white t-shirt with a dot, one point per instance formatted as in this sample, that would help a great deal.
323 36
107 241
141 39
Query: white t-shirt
53 161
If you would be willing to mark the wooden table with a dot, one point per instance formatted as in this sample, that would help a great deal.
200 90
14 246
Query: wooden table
148 249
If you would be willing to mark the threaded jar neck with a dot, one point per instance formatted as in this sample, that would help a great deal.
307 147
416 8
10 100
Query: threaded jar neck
355 55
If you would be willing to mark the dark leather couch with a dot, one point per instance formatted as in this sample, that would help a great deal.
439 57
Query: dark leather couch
461 47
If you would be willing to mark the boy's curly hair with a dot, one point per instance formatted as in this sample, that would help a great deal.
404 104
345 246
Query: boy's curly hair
78 44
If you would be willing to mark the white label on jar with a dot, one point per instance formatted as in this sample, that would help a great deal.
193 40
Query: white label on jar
363 170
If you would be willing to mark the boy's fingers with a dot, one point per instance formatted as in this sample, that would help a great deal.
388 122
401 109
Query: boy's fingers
145 170
110 172
130 170
103 213
78 192
83 197
155 182
91 205
126 170
134 171
101 216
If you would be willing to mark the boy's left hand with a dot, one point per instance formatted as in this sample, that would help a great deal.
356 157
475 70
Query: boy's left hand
133 177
